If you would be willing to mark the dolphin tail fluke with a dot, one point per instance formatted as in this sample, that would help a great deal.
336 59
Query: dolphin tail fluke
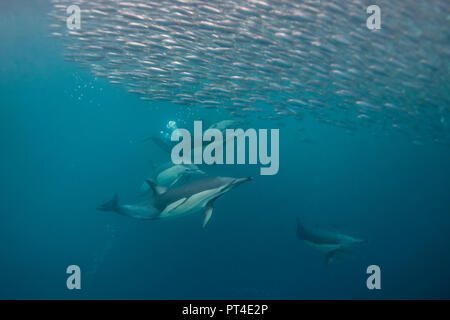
111 205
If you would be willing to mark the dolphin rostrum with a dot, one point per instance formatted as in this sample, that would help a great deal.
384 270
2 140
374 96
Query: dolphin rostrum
186 199
333 243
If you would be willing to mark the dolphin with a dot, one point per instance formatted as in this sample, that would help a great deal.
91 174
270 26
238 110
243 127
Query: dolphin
163 140
227 124
169 174
336 245
141 211
165 144
186 199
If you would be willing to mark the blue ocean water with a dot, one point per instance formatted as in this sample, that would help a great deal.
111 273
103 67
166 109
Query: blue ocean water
67 146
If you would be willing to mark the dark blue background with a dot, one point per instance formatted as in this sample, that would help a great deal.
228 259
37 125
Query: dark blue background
65 148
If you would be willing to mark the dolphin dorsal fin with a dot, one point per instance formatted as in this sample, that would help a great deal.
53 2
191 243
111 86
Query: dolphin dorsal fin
157 189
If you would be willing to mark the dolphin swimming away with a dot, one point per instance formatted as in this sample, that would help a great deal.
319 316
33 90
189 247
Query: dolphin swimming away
333 243
186 199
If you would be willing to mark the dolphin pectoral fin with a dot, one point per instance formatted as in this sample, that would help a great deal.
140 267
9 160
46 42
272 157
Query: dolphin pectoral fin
157 189
330 256
207 213
174 182
144 187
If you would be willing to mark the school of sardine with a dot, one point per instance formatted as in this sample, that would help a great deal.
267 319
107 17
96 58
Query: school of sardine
275 59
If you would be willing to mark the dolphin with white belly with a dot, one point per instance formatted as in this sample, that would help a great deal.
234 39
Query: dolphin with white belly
186 199
170 174
333 243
